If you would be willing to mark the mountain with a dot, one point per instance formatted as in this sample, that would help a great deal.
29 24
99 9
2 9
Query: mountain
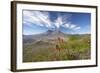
49 34
54 34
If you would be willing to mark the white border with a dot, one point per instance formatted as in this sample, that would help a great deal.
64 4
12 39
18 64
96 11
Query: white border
21 65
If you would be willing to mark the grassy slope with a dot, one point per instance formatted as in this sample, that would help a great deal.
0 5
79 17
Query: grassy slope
75 48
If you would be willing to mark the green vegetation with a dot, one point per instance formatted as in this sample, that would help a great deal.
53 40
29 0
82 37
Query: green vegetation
73 47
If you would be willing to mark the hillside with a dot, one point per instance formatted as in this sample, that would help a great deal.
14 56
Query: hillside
55 46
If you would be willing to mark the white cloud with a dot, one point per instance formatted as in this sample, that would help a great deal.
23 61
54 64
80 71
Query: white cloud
27 13
77 28
67 25
61 19
43 19
37 17
73 26
58 22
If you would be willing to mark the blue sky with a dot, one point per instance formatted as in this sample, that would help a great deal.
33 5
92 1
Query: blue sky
36 22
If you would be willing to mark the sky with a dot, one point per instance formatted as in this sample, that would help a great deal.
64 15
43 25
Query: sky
36 22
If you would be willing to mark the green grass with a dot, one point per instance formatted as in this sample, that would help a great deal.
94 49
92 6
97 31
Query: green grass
74 48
